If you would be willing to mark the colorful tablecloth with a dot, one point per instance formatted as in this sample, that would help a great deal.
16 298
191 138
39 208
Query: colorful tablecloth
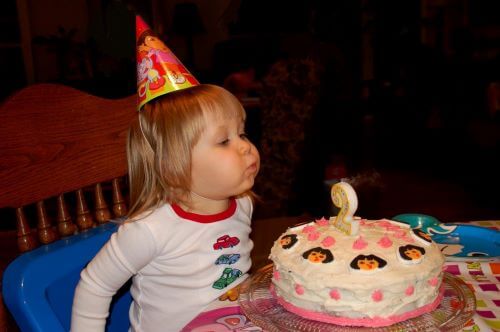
483 277
484 280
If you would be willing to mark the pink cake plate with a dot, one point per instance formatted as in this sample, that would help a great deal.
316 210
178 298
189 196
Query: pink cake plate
262 308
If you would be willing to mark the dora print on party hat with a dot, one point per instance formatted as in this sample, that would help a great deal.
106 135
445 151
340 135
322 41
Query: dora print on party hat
158 69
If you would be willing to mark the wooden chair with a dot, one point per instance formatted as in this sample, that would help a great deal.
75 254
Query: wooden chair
62 161
56 140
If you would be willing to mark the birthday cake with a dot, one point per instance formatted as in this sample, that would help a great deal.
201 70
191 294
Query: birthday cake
356 272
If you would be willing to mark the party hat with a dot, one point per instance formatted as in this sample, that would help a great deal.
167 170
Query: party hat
158 70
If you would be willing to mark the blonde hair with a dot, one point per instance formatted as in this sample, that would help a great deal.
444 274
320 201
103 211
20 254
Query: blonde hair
161 139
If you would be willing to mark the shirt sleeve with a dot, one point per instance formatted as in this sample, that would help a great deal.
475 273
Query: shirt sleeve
246 204
131 248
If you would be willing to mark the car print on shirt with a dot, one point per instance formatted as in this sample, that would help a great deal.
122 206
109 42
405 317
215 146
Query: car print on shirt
228 276
227 259
226 241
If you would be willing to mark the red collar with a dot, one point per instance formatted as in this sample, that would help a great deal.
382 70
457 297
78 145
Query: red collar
206 218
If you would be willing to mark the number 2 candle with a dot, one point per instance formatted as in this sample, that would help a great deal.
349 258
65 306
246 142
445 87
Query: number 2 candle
344 197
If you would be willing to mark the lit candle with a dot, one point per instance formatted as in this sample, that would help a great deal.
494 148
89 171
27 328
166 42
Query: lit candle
344 197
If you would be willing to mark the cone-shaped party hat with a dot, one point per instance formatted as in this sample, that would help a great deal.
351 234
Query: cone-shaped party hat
158 70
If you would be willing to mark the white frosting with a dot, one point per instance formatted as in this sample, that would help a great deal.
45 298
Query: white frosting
396 287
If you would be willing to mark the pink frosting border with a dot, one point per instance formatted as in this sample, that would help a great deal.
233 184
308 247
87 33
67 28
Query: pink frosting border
367 322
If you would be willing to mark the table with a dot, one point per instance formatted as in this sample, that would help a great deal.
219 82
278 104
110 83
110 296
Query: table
483 277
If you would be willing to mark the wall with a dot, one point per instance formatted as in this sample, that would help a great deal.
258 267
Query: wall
45 18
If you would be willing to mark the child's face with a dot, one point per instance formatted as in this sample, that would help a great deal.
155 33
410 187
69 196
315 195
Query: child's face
224 162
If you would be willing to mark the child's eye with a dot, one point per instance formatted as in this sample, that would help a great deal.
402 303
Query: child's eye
224 142
244 136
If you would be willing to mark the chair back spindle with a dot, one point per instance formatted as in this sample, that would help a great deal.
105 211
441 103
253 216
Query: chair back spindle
46 232
102 213
84 219
119 207
26 238
65 225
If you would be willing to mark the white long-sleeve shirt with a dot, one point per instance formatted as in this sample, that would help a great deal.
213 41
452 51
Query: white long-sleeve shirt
179 263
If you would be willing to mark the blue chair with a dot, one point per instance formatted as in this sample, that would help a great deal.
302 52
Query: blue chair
38 286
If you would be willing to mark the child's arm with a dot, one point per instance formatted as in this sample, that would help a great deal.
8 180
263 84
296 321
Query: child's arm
128 251
99 281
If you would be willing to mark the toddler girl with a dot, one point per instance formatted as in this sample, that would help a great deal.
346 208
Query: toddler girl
186 240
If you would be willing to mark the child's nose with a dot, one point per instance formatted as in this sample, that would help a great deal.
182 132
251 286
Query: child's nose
245 146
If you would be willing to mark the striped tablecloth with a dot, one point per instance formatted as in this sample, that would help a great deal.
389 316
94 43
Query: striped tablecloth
482 277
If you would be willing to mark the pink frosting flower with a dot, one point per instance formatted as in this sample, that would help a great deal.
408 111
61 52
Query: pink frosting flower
334 294
308 229
322 222
384 242
384 223
400 234
276 275
408 239
433 281
410 290
299 289
360 243
377 296
313 236
328 241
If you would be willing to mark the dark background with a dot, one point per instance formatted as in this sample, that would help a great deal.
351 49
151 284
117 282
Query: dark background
407 91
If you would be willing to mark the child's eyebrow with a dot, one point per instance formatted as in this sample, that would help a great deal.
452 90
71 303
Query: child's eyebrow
219 130
241 125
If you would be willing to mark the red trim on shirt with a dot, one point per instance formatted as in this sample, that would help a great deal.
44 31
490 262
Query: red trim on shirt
206 218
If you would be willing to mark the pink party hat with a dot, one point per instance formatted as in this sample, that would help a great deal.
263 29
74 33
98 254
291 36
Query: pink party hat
158 70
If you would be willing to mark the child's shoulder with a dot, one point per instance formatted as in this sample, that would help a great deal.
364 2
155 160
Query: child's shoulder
245 203
152 218
151 222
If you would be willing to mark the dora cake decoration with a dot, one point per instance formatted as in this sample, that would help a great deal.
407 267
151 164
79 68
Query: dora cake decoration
422 236
410 254
367 263
318 255
287 241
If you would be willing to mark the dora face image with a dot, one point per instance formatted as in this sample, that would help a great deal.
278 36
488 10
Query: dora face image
318 255
423 236
287 241
155 43
367 263
413 253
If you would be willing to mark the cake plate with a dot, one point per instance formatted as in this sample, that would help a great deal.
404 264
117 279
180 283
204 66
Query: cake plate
261 307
